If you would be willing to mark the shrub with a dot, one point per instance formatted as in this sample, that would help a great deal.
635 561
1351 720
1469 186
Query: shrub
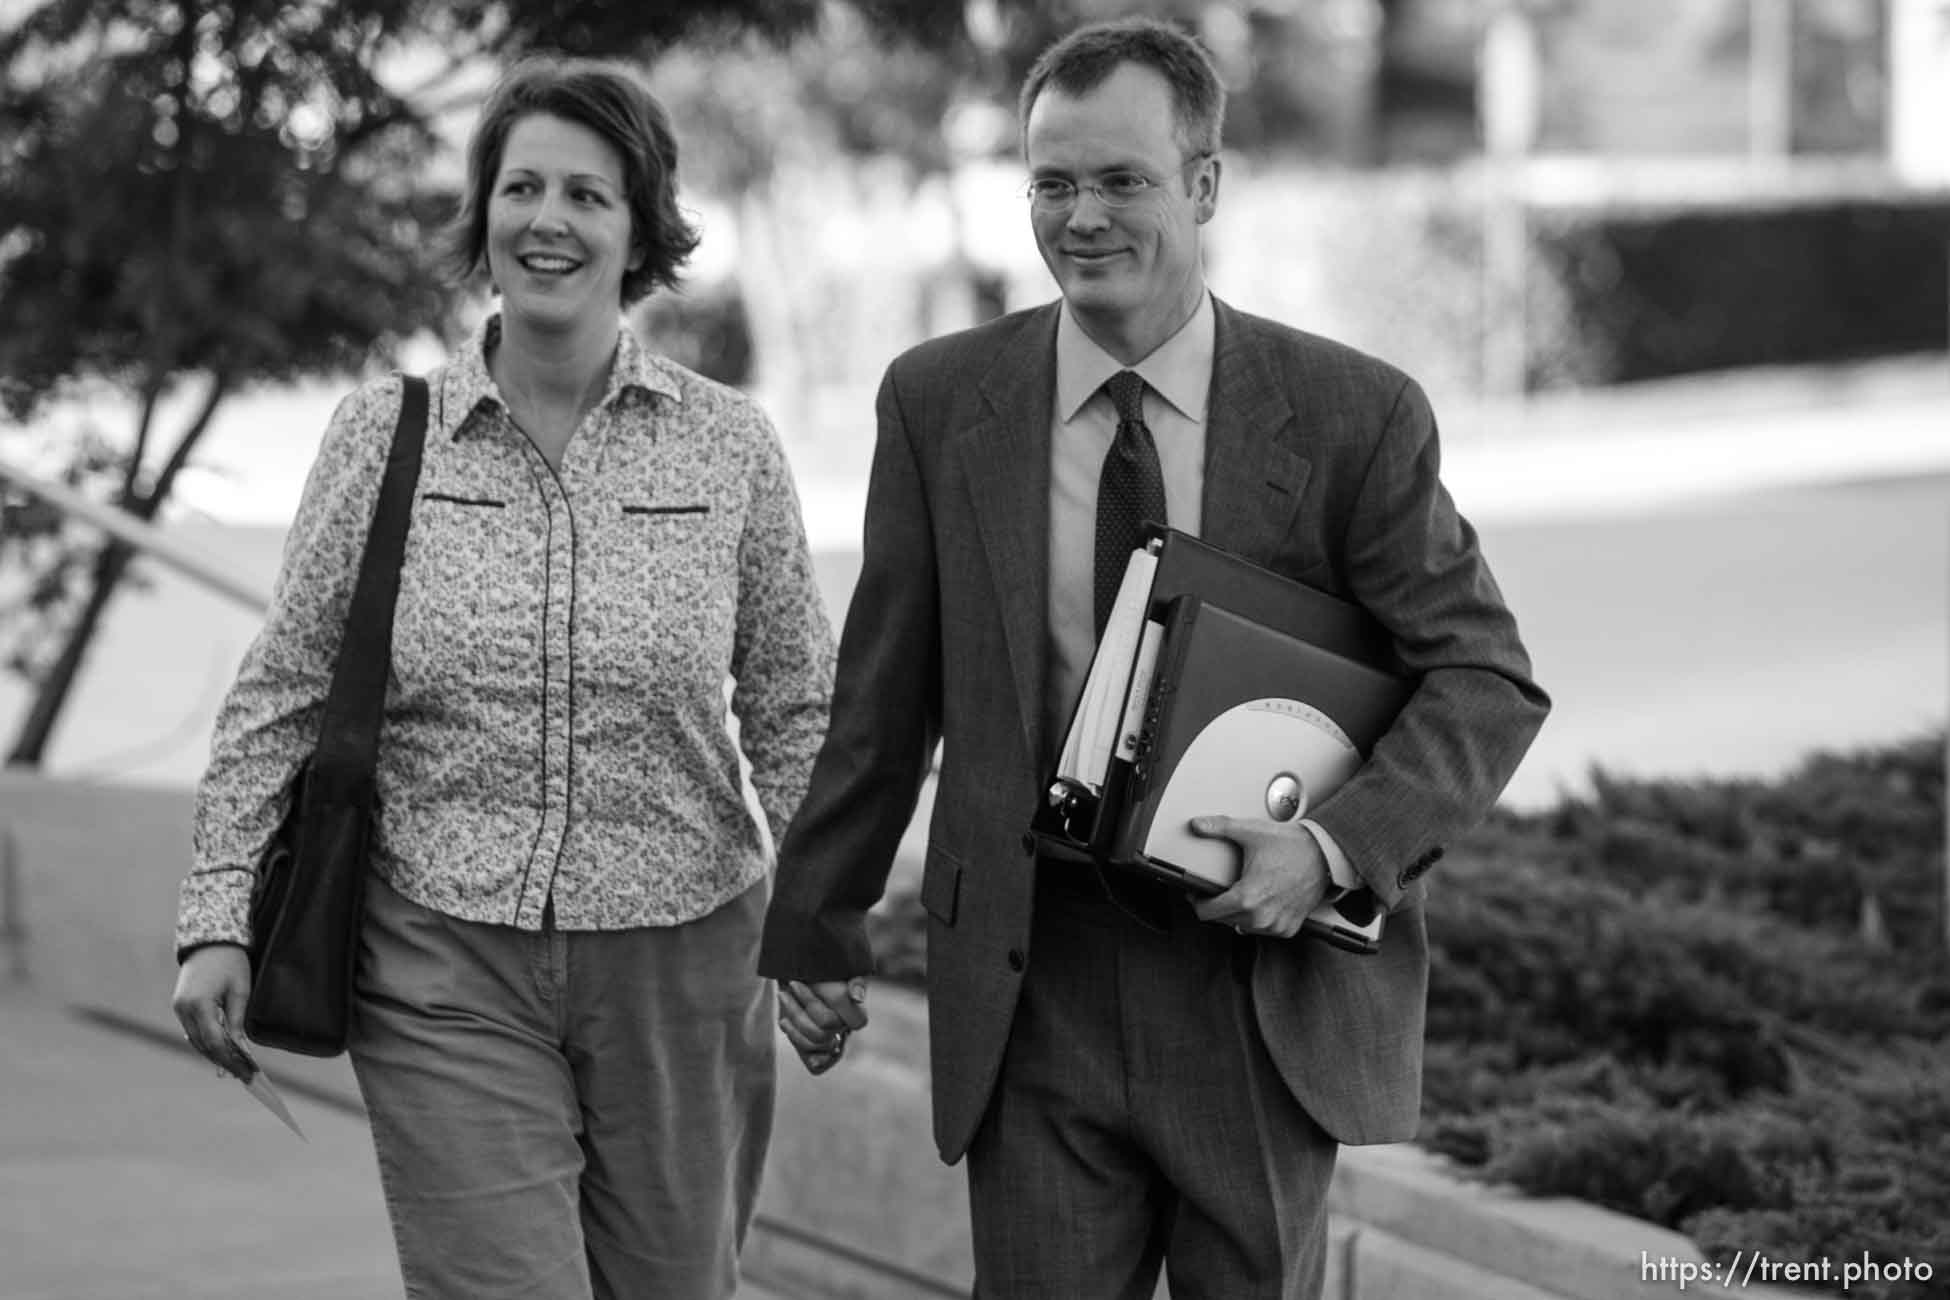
1719 1006
1614 292
1690 288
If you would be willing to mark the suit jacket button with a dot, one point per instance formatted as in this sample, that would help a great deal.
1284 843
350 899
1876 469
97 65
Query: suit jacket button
1016 960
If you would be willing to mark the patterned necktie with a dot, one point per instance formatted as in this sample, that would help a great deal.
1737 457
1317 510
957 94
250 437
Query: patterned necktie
1130 490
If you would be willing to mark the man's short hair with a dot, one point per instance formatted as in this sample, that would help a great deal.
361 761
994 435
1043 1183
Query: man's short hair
611 100
1085 59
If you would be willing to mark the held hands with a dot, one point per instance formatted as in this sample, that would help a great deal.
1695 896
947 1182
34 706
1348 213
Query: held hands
1283 876
817 1018
212 988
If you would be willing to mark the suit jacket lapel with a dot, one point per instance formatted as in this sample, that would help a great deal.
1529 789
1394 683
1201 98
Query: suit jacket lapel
1005 455
1254 471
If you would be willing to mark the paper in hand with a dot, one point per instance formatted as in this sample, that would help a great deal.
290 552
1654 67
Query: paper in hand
258 1084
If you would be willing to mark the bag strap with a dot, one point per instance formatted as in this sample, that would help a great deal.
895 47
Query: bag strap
357 699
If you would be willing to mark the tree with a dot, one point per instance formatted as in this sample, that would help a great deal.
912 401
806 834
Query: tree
202 197
201 200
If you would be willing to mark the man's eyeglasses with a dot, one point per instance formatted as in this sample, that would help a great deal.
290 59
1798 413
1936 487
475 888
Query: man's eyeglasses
1113 189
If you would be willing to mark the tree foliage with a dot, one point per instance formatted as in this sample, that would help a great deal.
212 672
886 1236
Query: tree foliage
215 196
213 191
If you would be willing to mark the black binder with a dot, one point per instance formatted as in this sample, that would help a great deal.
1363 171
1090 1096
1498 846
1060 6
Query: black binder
1244 693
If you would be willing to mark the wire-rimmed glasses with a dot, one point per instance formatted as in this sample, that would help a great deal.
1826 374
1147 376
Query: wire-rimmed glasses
1114 189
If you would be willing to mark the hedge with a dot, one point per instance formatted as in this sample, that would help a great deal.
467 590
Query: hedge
1650 294
1614 291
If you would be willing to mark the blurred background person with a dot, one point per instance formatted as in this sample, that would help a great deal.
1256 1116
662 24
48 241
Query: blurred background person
565 1054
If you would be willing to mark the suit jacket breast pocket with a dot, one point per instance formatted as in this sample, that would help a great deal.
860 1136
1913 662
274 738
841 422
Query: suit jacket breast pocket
466 582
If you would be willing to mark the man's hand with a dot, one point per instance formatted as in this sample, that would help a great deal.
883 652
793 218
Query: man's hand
817 1018
1283 876
212 988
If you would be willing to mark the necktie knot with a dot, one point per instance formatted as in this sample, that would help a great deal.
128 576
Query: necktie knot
1126 389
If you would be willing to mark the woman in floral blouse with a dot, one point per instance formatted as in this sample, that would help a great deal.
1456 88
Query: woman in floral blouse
565 1053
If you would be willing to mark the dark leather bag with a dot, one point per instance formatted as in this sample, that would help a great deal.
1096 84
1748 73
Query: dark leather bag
311 880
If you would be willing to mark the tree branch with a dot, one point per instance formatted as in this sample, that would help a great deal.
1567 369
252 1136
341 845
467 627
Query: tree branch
151 394
151 501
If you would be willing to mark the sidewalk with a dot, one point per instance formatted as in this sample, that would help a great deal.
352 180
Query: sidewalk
1639 447
130 1171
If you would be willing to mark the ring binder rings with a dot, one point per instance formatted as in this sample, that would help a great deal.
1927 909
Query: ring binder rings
1220 687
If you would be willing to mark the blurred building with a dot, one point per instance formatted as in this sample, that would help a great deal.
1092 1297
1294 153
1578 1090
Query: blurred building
1650 78
1919 68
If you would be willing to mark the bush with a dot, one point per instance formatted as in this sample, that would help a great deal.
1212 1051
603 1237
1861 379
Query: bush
1720 1006
1691 289
1393 263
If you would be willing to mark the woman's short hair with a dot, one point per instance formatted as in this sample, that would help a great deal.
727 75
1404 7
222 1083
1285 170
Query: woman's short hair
611 100
1085 59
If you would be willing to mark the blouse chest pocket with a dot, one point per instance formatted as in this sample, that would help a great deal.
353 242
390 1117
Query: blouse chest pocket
668 512
469 576
664 585
666 544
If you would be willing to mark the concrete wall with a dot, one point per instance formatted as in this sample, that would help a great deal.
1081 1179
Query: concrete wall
855 1202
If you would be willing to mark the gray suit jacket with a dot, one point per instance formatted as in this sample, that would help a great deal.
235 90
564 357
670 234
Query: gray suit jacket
1321 463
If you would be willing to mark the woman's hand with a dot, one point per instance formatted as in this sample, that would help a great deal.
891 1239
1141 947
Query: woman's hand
817 1018
212 987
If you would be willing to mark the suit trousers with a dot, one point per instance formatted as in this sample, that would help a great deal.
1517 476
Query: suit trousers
565 1115
1138 1118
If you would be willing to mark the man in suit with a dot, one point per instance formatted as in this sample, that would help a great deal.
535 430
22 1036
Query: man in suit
1135 1079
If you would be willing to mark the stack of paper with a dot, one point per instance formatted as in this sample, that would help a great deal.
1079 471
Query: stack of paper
1097 725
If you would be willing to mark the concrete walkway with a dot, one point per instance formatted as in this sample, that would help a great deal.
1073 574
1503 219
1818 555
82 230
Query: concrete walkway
130 1171
1651 446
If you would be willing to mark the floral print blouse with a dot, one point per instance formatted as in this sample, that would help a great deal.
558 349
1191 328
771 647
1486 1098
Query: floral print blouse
580 658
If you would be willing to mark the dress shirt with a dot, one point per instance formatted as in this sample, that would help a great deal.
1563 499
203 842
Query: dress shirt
1178 379
556 725
1178 384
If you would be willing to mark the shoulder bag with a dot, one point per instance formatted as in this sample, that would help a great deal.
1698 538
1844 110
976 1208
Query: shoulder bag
311 881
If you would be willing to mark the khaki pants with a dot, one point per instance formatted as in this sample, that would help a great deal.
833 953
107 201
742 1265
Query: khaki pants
565 1116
